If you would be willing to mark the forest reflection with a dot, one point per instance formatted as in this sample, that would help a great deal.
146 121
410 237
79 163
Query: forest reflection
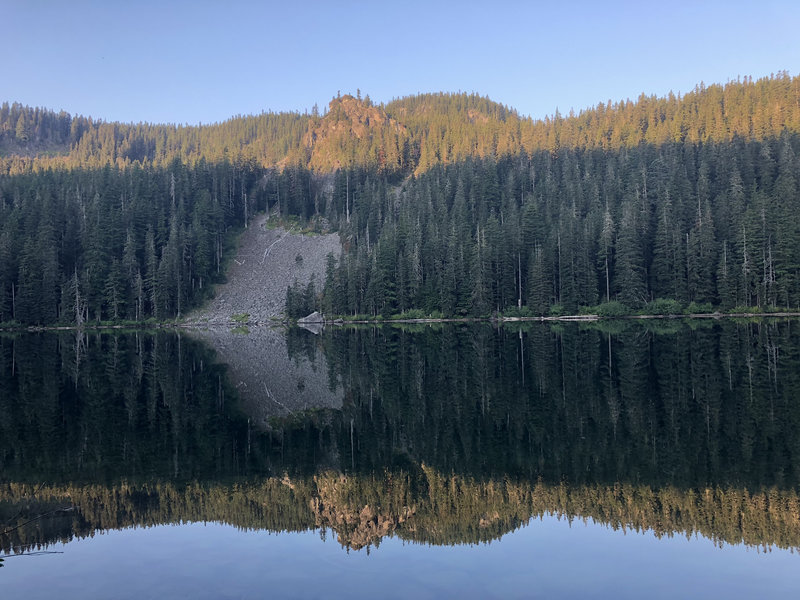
445 434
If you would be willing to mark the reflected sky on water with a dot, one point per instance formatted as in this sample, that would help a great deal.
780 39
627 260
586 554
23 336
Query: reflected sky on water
549 557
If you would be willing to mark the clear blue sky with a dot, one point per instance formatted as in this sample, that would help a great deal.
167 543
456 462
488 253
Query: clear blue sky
198 61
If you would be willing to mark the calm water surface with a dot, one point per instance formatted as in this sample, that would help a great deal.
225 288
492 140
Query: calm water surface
620 460
546 559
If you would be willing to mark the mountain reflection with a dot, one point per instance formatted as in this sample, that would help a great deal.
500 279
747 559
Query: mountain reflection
444 435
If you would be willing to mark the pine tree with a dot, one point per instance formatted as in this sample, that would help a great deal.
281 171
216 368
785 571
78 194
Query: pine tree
629 277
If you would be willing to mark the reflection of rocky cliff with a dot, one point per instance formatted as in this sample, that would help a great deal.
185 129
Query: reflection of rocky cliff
357 521
423 506
269 382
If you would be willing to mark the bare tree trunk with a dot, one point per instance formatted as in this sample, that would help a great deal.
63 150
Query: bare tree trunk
78 304
347 195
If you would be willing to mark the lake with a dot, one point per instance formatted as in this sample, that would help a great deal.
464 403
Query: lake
610 459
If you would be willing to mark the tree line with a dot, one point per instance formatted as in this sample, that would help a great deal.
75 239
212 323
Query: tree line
659 228
405 135
426 507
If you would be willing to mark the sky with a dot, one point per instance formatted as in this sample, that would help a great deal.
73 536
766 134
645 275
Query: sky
203 62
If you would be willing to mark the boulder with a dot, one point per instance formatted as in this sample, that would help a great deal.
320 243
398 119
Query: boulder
314 317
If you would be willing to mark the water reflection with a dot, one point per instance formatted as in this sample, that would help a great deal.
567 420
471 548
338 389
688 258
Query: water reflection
271 382
445 435
550 558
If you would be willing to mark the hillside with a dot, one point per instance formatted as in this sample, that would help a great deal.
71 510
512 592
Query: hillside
446 203
406 135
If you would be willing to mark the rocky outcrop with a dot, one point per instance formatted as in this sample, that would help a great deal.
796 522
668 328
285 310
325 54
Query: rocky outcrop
352 122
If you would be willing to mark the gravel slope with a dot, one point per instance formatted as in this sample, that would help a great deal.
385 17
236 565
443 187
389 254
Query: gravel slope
265 265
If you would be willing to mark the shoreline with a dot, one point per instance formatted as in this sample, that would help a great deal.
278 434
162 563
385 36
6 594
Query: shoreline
381 321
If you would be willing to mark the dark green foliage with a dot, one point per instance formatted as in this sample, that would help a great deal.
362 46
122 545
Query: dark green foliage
696 308
115 244
573 403
663 230
610 309
301 301
107 406
692 407
663 306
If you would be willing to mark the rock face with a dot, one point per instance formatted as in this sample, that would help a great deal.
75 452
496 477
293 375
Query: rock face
351 119
266 263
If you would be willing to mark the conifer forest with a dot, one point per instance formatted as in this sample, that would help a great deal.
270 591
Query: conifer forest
446 204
